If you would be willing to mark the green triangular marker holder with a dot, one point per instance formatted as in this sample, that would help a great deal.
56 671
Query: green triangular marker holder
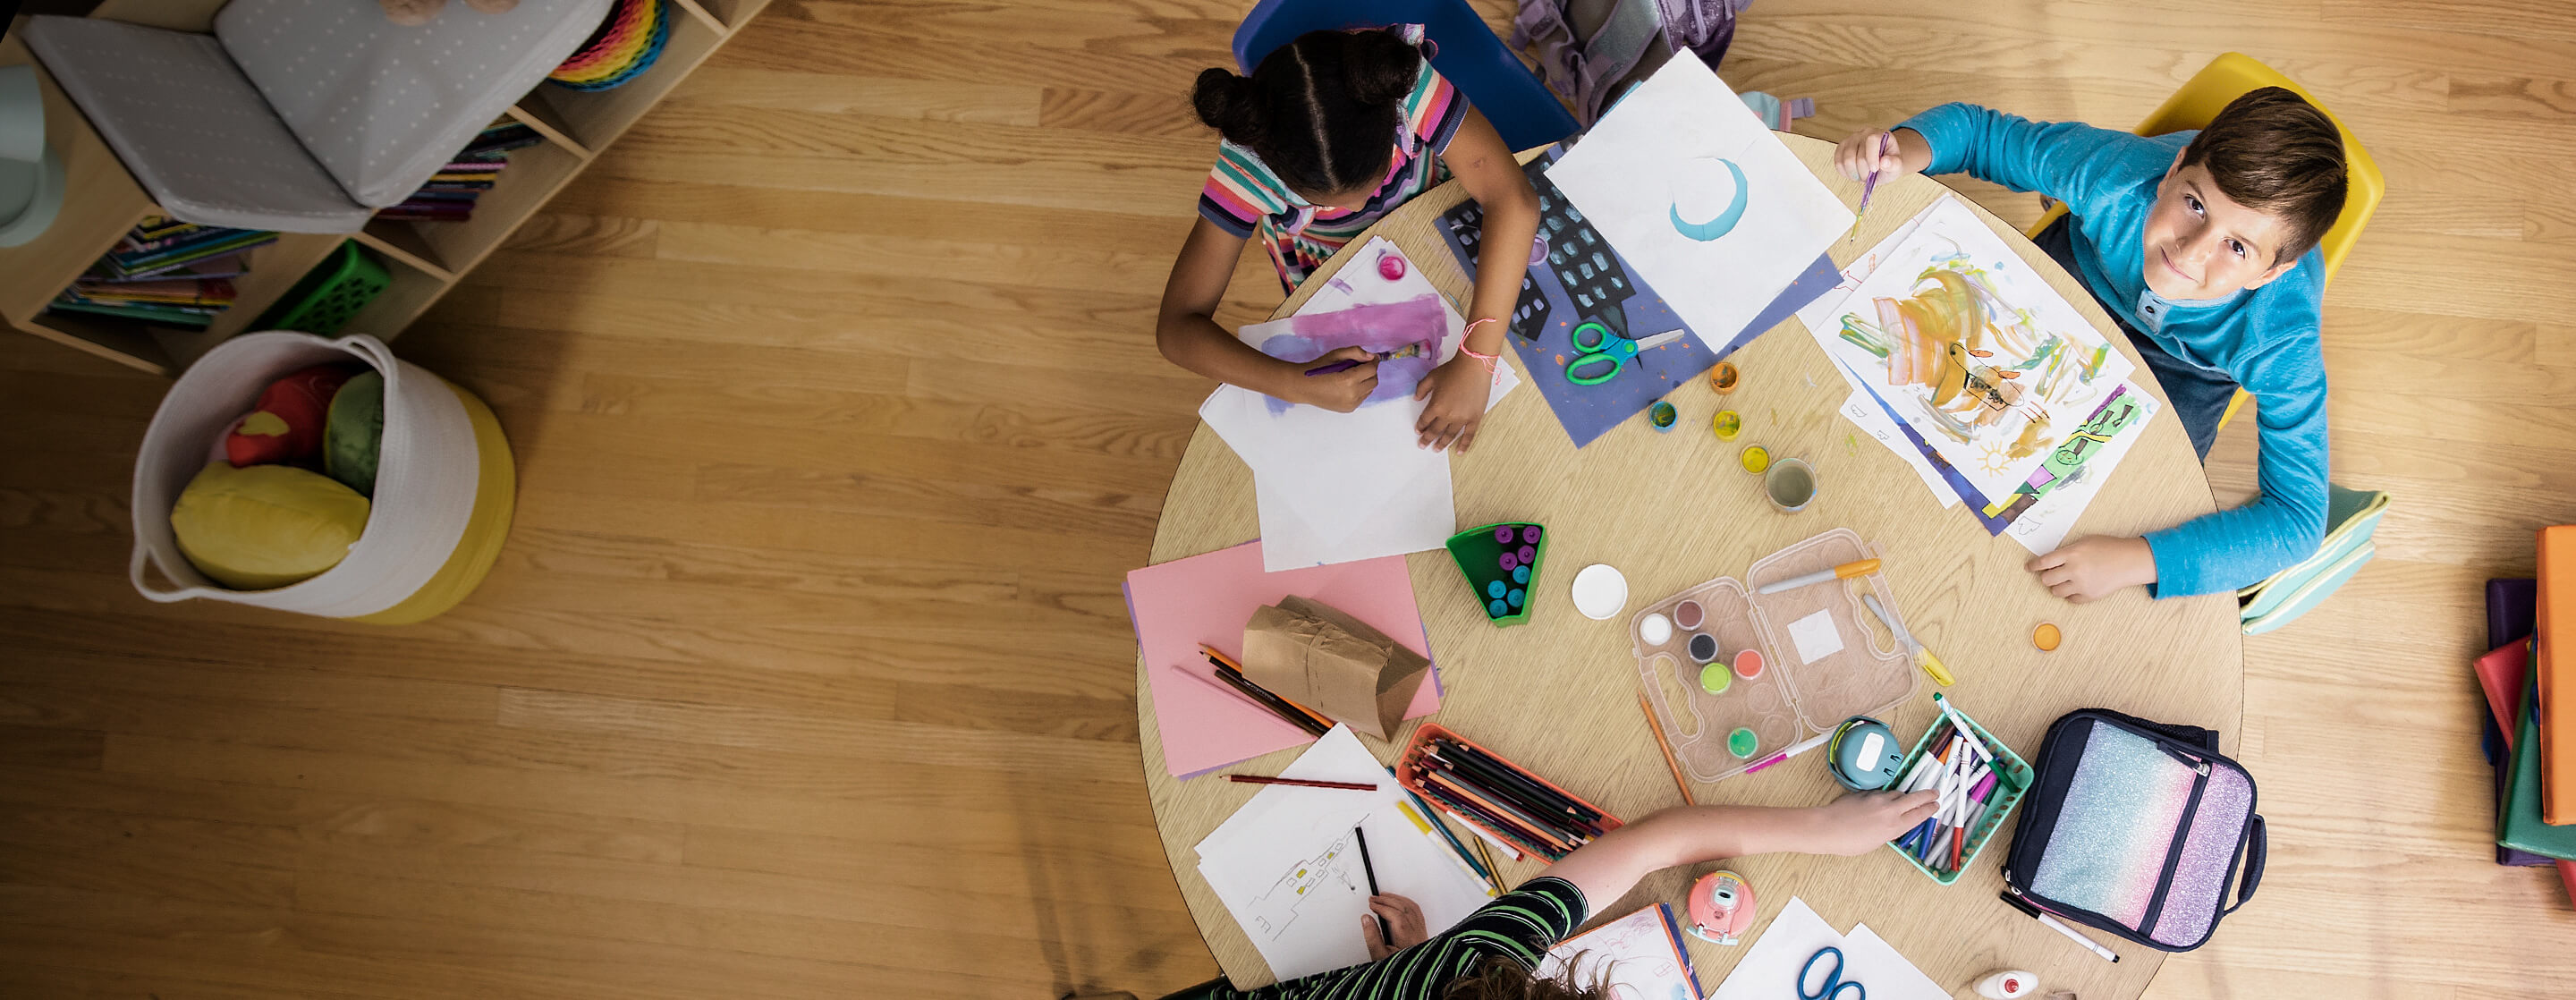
1501 562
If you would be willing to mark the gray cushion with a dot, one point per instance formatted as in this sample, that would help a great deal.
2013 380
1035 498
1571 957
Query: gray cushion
192 131
383 106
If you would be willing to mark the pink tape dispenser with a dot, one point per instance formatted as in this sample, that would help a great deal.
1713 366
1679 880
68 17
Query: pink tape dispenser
1721 907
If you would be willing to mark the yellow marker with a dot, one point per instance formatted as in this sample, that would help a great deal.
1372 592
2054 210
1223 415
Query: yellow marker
1755 458
1932 667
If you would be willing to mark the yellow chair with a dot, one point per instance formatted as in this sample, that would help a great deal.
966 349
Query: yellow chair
2225 79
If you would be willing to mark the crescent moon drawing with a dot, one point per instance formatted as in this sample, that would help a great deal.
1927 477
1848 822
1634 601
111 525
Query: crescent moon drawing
1725 221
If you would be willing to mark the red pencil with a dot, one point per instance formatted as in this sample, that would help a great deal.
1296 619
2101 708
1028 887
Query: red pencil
1255 779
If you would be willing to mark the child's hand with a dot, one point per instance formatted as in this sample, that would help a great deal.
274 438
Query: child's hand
2094 566
1860 821
1870 149
1341 391
1457 391
1403 922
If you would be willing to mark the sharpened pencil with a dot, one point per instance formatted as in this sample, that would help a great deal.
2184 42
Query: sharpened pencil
1675 766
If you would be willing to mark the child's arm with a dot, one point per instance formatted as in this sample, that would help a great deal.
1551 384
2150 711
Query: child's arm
1607 868
2058 159
1458 390
2235 548
1187 333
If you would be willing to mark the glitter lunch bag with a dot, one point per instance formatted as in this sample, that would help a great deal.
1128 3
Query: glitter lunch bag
2137 828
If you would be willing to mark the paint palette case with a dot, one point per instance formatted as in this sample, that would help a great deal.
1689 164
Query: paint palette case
1816 671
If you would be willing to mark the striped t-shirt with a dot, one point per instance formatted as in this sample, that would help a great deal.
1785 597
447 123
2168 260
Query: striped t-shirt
1242 196
1520 926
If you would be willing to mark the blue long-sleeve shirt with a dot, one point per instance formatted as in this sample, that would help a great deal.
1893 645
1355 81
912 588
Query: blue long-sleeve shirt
2265 339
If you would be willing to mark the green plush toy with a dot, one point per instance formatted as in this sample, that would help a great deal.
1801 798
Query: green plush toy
353 431
266 526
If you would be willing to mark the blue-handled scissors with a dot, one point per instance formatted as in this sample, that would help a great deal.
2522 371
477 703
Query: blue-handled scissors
1599 355
1834 984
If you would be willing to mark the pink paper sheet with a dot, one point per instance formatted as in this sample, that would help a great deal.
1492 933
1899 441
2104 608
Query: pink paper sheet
1177 605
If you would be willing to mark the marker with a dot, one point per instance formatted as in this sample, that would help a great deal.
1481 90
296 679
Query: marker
1922 657
2014 899
1370 870
1849 569
1802 746
2003 775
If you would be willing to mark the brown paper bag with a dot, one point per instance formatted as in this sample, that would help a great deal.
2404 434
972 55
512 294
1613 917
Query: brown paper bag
1311 654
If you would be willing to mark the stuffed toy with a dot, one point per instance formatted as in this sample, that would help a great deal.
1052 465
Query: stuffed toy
414 13
286 427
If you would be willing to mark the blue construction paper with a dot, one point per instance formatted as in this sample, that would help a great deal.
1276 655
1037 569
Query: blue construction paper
1542 337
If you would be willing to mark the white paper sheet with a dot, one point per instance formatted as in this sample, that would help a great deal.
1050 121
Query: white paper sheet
1700 198
1334 487
2043 527
1827 307
1289 870
1862 408
2047 365
1770 968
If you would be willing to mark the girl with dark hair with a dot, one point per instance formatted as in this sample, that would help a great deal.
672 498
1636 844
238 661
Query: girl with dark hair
1329 133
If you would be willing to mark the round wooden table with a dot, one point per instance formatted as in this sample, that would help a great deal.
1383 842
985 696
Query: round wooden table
1558 695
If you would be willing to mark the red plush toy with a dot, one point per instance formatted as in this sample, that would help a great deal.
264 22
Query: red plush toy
287 427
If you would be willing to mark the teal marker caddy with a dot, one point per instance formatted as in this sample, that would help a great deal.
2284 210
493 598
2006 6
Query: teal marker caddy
1501 562
2006 796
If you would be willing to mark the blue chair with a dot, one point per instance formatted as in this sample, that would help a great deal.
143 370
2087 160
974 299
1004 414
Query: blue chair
1521 107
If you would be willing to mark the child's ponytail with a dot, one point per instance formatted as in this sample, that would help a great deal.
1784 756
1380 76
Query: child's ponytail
1321 111
1231 105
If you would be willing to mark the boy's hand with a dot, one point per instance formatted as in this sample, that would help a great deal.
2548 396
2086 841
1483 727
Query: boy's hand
1403 922
2095 566
1900 152
1860 821
1341 391
1457 391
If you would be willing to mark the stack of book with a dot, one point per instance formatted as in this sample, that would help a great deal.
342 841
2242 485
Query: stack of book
451 192
165 271
2529 733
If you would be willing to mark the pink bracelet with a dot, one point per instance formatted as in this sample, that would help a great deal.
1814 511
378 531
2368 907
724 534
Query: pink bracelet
1487 360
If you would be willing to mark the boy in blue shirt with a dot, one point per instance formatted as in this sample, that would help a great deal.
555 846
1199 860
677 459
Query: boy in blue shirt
2202 245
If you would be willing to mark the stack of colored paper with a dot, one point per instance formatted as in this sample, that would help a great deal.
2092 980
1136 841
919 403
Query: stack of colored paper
451 192
165 272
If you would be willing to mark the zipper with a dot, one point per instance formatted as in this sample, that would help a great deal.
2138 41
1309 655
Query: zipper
2173 849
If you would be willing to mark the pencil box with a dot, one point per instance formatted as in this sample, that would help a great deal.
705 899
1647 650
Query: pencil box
2136 828
1509 818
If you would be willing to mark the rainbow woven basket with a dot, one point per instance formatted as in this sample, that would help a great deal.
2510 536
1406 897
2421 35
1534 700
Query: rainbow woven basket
625 45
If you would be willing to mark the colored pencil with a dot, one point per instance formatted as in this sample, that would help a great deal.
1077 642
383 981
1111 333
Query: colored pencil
1443 830
1506 773
1227 665
1272 702
1530 841
1666 746
1508 818
1255 779
1541 810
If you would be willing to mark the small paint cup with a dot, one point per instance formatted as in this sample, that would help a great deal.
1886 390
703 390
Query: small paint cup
1390 266
1687 614
1754 458
1663 416
1703 648
1724 377
1726 425
1790 484
1654 630
2047 636
1715 678
1748 663
1743 742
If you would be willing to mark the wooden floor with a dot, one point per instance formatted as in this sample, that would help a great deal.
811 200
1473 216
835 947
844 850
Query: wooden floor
805 672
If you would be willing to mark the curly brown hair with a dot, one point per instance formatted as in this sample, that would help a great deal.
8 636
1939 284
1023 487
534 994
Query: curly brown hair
1503 979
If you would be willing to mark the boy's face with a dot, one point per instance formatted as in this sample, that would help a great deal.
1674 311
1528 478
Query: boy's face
2203 245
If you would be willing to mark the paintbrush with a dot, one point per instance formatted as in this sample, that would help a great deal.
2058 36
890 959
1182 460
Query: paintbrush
1869 186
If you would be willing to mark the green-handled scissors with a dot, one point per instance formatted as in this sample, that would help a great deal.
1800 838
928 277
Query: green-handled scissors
1599 354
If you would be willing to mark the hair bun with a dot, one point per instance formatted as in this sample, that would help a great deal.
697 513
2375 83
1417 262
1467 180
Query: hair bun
1232 105
1379 68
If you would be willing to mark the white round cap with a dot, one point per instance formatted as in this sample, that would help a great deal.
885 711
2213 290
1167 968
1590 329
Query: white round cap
1600 592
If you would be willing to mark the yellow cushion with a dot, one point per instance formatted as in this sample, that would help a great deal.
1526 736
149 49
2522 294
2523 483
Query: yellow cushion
266 526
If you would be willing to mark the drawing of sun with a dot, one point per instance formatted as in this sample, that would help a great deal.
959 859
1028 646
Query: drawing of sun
1994 458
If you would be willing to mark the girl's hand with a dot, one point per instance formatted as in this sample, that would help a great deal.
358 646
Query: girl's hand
1870 149
2094 567
1457 391
1860 821
1341 391
1403 922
